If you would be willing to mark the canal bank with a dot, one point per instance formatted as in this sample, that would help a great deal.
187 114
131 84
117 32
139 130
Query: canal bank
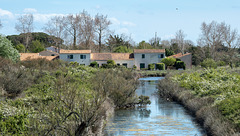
161 117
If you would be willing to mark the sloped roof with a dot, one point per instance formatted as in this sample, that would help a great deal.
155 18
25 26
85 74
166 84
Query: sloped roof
149 50
30 56
74 51
111 56
179 55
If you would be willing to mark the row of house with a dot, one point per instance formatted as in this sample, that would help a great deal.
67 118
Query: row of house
140 57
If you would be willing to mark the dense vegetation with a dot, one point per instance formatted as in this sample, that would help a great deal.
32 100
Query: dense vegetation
212 95
57 98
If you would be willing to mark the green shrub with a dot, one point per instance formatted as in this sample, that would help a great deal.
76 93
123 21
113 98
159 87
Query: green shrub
221 63
160 66
180 64
151 66
134 67
94 64
111 62
208 63
169 61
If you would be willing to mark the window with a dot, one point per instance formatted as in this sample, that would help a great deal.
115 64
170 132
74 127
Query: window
82 56
125 64
160 55
142 65
70 56
118 64
143 56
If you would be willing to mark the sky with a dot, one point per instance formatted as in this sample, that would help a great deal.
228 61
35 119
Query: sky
140 19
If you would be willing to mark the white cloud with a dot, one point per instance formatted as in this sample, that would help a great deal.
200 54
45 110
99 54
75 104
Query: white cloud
6 13
126 23
123 31
44 17
98 7
114 21
29 10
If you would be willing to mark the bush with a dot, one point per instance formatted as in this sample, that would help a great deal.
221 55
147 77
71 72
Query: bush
134 67
221 63
208 63
160 66
169 61
180 64
151 66
94 64
111 62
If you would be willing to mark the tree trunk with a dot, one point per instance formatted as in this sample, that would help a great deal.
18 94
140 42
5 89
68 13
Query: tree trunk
80 129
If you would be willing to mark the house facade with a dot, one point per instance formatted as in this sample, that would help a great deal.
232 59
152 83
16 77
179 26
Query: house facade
186 58
80 56
140 58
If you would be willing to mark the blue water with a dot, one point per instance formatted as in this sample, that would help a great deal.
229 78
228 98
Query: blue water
160 118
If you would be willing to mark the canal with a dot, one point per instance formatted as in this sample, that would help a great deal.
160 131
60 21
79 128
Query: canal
160 118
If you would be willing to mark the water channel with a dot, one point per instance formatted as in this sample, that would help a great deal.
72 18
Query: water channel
160 118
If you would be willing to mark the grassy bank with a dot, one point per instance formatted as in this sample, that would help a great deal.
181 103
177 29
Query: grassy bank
57 98
212 95
152 73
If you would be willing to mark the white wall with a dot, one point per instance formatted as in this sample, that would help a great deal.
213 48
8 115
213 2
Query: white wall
130 63
150 58
76 58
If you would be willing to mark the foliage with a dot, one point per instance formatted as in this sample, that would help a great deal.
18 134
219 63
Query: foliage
144 100
20 48
222 86
37 46
180 65
169 52
151 66
134 67
44 38
94 64
209 63
144 45
221 63
160 66
111 62
122 49
117 84
7 50
169 61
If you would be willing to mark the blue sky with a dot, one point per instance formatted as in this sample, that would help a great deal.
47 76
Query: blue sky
138 18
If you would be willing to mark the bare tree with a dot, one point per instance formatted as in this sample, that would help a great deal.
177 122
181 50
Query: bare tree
232 41
25 26
180 40
72 24
87 30
155 41
101 29
55 27
212 35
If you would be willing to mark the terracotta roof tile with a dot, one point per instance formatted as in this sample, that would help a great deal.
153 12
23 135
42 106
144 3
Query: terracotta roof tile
149 50
74 51
30 56
111 56
179 55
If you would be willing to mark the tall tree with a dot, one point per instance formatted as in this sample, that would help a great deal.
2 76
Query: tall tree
155 41
212 35
72 24
87 30
55 27
25 25
101 28
180 40
232 41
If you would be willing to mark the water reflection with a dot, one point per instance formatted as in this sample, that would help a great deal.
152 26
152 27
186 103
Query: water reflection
160 118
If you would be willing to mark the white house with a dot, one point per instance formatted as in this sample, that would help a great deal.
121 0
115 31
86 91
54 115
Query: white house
140 58
143 57
79 56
